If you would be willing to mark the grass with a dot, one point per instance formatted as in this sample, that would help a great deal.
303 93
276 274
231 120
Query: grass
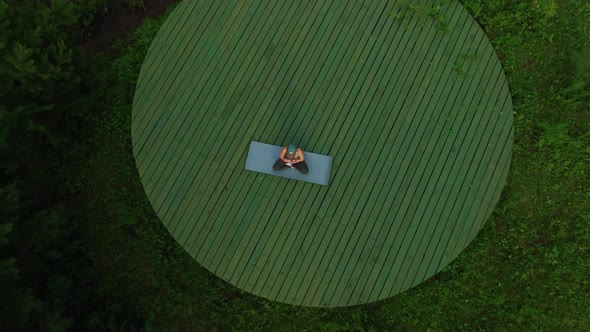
407 9
526 270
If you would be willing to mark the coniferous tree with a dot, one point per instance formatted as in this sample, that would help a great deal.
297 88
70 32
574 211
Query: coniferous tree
38 81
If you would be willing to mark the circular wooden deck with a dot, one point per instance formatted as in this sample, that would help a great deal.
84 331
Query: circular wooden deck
411 100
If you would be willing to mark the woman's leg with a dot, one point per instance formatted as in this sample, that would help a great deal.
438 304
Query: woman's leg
278 165
302 167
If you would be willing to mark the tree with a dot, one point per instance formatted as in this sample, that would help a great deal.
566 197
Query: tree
38 82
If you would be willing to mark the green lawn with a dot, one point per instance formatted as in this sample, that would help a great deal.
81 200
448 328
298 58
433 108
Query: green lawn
526 270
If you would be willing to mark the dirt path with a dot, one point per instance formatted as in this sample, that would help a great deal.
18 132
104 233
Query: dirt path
119 23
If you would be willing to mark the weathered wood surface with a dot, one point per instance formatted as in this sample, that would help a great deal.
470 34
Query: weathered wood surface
417 115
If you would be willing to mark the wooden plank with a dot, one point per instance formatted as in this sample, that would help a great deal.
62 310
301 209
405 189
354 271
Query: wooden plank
275 228
338 78
502 169
250 189
356 282
221 177
160 173
355 253
210 180
455 135
210 52
250 114
399 162
352 98
489 179
484 180
177 158
347 246
291 101
270 284
447 130
185 14
299 197
280 274
332 85
198 140
328 232
323 45
323 265
244 199
461 149
364 148
362 62
444 210
153 133
163 177
276 83
401 201
159 90
503 163
428 218
152 68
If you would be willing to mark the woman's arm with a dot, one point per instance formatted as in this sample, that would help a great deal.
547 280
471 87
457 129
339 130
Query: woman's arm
298 156
282 155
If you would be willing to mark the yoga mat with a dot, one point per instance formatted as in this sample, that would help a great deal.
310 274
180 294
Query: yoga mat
262 156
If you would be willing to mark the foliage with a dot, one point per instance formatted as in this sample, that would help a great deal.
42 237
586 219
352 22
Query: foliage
39 85
69 262
90 12
43 108
407 9
525 271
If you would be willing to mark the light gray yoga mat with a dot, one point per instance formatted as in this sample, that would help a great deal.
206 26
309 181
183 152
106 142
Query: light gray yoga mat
262 156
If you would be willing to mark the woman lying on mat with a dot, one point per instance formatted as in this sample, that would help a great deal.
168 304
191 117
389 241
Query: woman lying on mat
291 156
